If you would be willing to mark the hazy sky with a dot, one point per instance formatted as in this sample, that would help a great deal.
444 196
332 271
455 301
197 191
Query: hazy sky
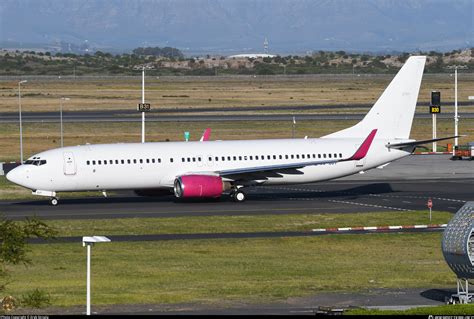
242 25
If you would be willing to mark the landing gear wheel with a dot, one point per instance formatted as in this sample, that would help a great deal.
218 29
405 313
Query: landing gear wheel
238 196
54 201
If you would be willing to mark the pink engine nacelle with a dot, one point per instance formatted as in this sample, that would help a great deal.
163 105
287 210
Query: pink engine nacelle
195 186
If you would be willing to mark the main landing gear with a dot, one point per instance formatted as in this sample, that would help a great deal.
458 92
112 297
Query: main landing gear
237 195
53 201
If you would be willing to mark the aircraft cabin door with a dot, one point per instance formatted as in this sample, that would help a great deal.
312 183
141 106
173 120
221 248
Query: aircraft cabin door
69 163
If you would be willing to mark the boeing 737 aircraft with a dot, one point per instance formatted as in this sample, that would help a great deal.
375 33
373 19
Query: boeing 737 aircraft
207 170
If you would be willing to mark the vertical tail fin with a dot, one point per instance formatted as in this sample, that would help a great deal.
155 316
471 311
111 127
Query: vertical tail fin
393 112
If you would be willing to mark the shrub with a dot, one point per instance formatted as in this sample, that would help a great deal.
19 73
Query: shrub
36 299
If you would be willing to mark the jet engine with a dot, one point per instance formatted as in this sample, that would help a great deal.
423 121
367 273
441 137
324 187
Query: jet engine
199 186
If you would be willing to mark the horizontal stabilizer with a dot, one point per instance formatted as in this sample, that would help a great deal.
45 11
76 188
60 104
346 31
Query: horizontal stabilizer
416 143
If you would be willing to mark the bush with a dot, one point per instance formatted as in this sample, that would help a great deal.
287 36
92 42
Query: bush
36 299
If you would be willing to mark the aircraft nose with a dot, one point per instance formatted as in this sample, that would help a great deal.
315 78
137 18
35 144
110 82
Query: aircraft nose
14 175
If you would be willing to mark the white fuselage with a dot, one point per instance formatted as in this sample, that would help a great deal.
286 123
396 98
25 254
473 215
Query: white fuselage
156 165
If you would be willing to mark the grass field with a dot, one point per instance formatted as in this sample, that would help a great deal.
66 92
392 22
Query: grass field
42 94
10 191
223 271
446 310
257 223
220 271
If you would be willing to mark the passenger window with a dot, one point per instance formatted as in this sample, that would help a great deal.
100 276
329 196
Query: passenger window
228 158
99 162
240 158
302 156
88 162
159 160
324 155
297 156
329 155
286 156
122 161
189 159
340 155
199 159
217 158
251 157
235 158
148 161
256 157
93 162
269 157
274 157
223 158
292 156
129 161
111 162
141 161
245 158
210 159
153 161
171 160
194 159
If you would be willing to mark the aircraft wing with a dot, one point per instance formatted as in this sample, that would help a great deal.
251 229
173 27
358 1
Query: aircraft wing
420 142
206 135
292 168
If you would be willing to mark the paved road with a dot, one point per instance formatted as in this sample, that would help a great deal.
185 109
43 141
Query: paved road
399 299
331 197
240 235
190 116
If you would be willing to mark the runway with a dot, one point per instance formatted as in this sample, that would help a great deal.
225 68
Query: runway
329 197
404 185
195 115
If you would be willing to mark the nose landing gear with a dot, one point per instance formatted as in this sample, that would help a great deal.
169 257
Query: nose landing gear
53 201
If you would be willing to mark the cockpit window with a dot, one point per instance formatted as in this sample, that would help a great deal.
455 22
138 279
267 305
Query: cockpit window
35 162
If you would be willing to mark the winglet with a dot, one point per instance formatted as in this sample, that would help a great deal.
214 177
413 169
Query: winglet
363 148
206 135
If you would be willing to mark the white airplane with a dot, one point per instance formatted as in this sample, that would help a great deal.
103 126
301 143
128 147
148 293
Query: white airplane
207 170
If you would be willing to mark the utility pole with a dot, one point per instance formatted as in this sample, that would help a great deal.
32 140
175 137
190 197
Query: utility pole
456 117
61 116
143 102
89 241
21 128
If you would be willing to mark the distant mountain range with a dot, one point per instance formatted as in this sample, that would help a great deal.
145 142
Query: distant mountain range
234 26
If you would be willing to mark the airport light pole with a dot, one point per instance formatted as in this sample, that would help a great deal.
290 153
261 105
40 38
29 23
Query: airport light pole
21 128
89 241
456 117
61 116
143 102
